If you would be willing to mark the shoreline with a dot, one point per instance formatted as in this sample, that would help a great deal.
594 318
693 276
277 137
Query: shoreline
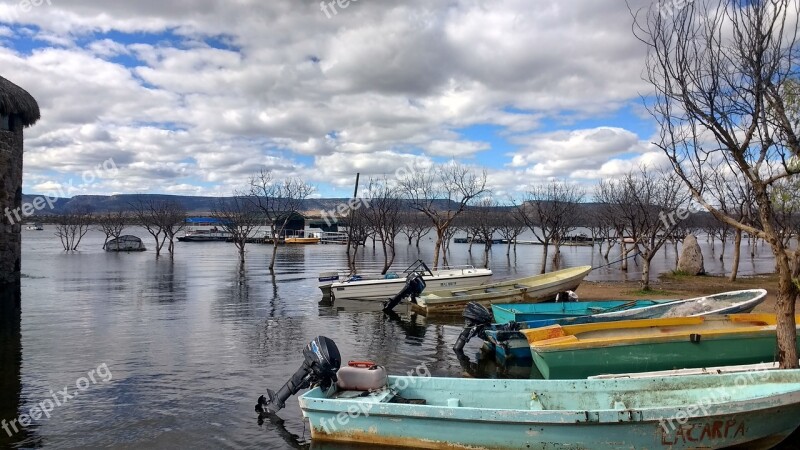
669 286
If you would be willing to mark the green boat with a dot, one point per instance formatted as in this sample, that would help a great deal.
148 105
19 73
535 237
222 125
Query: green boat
755 410
580 351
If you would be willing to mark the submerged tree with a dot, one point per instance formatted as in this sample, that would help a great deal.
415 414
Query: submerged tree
162 219
239 217
72 226
383 216
279 201
112 224
550 211
723 74
441 194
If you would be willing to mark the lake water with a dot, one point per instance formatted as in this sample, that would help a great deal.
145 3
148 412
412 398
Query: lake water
174 352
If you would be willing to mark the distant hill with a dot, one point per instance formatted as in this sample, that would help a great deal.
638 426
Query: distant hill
194 205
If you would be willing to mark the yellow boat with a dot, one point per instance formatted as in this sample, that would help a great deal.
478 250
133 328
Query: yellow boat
302 240
579 351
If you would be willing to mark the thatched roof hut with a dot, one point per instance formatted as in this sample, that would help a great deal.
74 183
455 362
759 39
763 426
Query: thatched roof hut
17 102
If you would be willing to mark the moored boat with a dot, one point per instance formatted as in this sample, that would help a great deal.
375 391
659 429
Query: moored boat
530 289
382 287
580 351
508 342
658 412
526 312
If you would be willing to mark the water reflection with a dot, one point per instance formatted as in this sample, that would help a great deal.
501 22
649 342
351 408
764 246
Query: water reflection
10 364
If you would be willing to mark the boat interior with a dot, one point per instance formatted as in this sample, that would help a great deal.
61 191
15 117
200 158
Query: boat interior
641 330
574 395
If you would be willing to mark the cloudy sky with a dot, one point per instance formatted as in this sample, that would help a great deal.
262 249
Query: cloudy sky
192 96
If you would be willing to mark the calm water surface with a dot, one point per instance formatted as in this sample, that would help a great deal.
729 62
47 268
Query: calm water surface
189 343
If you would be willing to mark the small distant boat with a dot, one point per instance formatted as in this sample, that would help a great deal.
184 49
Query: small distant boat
301 238
35 227
531 289
382 287
126 243
580 351
654 412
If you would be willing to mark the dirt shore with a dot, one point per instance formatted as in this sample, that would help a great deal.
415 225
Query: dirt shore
672 286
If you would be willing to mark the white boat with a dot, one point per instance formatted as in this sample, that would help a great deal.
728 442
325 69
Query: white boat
204 229
382 287
35 227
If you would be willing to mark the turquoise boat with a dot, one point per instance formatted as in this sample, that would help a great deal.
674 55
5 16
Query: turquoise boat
755 411
507 341
527 312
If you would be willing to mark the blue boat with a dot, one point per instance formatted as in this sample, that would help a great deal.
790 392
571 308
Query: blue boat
525 312
507 342
752 410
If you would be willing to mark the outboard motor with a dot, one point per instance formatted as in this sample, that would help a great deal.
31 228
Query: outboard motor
321 362
476 318
414 286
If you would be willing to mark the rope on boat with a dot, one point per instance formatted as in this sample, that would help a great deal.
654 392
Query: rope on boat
617 261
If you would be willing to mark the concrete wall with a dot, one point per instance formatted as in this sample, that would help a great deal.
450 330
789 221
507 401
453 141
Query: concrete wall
11 199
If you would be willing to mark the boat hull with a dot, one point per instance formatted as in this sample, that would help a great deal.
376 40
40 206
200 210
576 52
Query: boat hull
450 302
387 288
758 421
542 311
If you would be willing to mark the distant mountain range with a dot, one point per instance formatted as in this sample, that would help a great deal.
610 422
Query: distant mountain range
194 205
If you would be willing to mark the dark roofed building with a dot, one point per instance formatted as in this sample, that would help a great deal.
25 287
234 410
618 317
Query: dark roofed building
18 109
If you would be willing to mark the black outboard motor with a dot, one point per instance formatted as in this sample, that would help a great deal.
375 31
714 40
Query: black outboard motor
414 286
476 318
321 362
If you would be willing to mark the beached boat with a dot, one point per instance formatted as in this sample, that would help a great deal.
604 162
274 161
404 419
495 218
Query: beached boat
508 342
659 412
580 351
531 289
382 287
526 312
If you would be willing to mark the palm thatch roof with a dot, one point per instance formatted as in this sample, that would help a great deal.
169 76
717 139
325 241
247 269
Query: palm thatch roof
17 101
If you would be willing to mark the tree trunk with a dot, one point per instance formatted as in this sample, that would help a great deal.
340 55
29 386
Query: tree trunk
544 257
624 254
274 253
436 249
508 248
785 309
737 250
471 240
241 251
646 270
385 257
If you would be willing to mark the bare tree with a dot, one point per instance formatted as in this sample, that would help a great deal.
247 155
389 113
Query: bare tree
723 74
162 219
239 217
111 224
644 201
414 226
484 216
72 225
550 211
279 201
442 193
383 217
510 226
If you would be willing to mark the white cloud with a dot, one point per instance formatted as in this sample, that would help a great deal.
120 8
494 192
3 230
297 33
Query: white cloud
226 88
